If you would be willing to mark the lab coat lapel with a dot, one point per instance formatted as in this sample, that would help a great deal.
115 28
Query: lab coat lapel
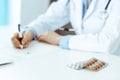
90 9
77 15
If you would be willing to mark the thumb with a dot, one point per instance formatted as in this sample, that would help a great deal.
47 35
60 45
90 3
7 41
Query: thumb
25 42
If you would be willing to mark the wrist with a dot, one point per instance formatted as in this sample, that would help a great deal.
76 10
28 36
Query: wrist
58 40
31 31
64 42
29 35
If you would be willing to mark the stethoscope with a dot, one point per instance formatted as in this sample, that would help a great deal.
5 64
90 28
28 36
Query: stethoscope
104 14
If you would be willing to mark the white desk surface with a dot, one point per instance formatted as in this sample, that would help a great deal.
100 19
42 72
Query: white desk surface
47 62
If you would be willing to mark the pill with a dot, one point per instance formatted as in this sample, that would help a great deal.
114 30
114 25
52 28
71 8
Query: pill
94 59
93 68
90 62
100 64
103 63
98 67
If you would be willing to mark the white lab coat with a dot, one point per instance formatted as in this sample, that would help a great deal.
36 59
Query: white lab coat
93 32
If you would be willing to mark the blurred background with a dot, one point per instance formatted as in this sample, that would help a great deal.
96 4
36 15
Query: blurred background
13 12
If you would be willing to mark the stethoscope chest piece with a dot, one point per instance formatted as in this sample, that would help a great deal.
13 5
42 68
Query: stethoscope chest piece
103 15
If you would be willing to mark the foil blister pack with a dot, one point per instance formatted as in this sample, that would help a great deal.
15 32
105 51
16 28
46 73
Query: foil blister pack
92 64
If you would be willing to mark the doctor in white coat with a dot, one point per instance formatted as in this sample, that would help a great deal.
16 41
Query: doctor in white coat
97 25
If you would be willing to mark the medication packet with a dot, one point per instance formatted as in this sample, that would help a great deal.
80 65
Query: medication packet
92 64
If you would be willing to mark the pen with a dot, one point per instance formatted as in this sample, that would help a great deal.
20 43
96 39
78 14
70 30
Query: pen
20 36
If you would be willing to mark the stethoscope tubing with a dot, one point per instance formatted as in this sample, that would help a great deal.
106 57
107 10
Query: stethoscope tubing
106 7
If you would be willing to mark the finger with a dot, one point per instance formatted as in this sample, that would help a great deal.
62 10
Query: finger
41 38
16 35
25 46
25 42
16 43
15 40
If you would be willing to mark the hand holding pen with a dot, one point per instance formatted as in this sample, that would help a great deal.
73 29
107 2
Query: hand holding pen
21 40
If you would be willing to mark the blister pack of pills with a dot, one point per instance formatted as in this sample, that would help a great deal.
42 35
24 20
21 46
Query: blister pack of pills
93 64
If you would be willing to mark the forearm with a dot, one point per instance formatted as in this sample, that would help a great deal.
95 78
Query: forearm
82 42
52 19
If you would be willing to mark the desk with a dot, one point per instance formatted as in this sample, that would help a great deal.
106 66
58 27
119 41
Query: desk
47 62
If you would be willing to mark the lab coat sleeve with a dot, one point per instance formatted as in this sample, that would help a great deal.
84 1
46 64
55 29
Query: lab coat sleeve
103 41
56 16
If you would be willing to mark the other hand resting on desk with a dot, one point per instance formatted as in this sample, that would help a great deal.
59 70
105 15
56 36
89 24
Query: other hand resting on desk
50 37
